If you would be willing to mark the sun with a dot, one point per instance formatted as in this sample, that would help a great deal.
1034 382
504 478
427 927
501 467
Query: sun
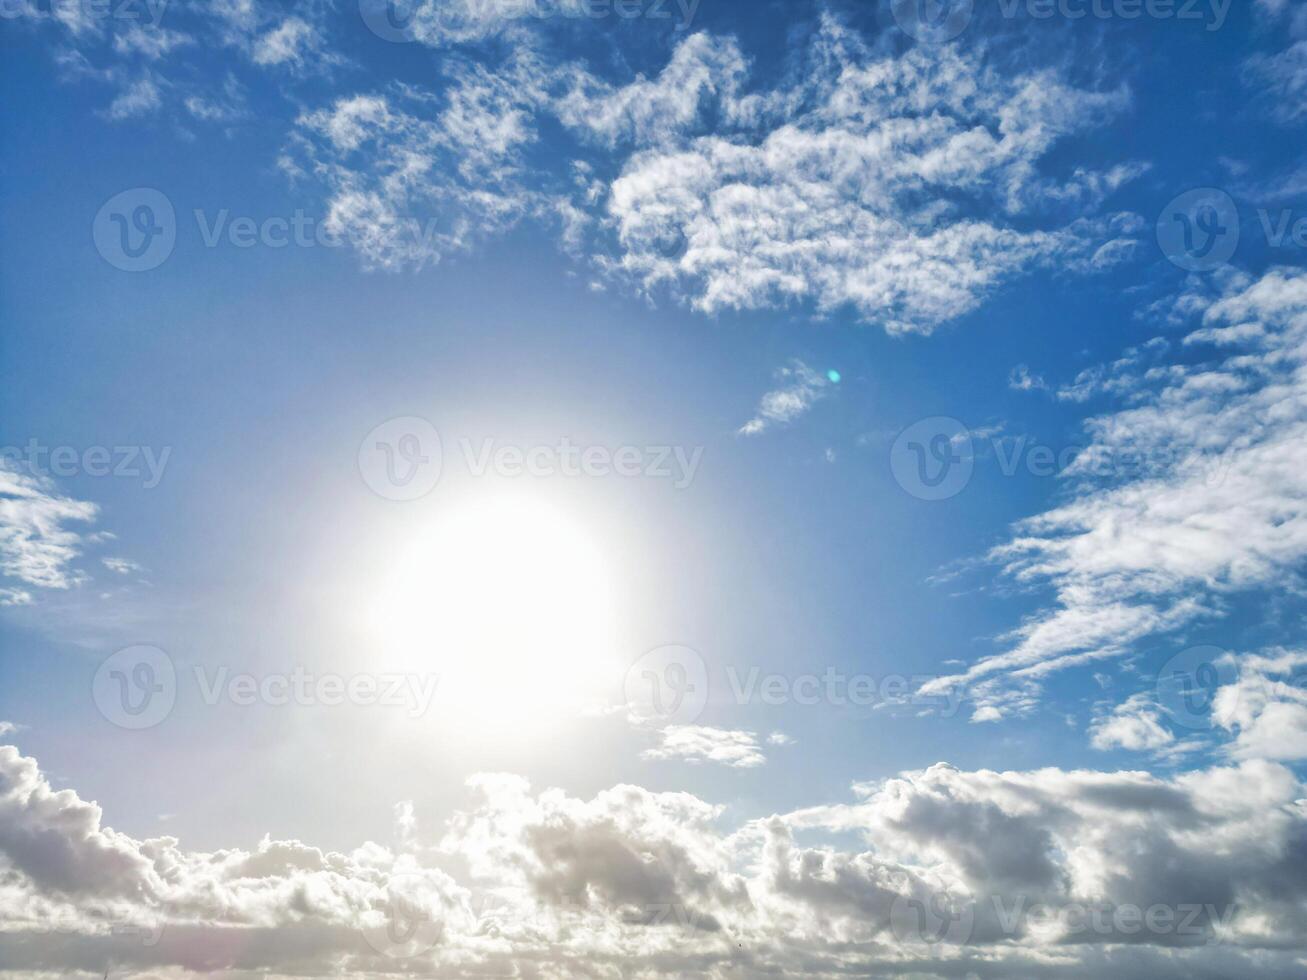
510 600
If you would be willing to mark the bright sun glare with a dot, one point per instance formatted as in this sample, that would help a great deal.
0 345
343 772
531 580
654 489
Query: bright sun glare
510 601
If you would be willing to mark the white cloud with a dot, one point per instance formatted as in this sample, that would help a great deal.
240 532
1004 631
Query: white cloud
1135 725
1266 707
836 191
121 566
700 743
634 882
1195 491
1022 380
37 546
137 99
854 184
288 42
801 387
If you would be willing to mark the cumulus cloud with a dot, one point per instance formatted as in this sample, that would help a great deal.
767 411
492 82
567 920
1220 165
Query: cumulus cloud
1266 707
635 882
1196 490
1135 724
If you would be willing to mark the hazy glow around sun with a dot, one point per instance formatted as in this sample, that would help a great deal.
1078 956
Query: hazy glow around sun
510 600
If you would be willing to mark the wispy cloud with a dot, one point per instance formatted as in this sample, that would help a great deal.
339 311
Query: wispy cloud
800 388
38 545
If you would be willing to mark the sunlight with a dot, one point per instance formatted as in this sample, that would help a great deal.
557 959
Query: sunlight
510 601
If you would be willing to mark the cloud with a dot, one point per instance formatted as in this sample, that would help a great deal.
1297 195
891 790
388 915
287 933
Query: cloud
37 546
121 566
411 177
635 881
1266 707
1022 380
838 187
839 191
700 743
1196 490
801 387
1135 724
137 99
290 42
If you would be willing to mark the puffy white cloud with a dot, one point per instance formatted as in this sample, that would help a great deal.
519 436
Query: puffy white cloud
1266 707
1135 724
1049 873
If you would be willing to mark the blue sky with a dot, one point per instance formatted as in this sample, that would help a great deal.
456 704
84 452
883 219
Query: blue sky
966 361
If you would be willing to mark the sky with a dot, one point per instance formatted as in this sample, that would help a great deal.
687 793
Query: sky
631 488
